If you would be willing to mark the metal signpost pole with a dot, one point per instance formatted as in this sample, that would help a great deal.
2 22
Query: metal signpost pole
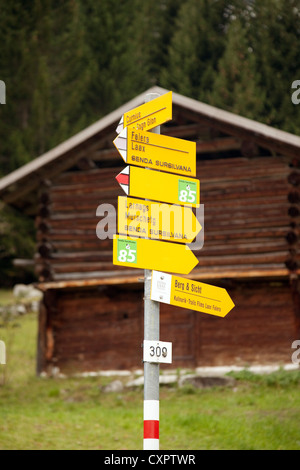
151 370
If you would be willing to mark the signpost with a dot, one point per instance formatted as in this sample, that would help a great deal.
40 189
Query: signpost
148 229
193 295
149 219
153 254
149 115
156 151
159 186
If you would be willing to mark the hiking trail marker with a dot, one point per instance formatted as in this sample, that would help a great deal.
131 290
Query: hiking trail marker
148 115
193 295
156 151
159 186
153 254
155 220
148 228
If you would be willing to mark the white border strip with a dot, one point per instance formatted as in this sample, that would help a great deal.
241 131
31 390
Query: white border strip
151 410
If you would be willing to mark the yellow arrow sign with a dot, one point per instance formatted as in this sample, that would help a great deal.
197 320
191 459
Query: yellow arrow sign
157 151
190 294
155 220
159 186
153 254
148 115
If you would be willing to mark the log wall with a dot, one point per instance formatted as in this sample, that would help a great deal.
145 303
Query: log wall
250 237
102 329
247 221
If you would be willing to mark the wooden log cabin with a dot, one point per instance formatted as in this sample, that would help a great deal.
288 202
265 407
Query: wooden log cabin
91 316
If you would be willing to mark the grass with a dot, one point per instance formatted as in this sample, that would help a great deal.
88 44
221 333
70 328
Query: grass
259 412
6 296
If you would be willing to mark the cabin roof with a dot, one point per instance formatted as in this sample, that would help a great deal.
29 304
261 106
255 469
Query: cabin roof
19 187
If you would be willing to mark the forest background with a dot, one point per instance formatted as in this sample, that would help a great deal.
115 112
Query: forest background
68 63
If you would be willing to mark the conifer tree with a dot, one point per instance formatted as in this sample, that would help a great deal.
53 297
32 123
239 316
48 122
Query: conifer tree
129 42
275 35
236 87
112 46
47 67
196 46
72 69
152 28
17 70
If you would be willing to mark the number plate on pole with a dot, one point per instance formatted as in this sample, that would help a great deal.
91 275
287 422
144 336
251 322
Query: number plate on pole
157 351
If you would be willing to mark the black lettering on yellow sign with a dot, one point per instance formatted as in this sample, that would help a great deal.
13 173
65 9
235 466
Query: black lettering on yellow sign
137 147
139 137
138 230
141 125
179 299
138 207
195 288
165 233
179 285
140 218
151 121
145 160
158 163
132 117
173 166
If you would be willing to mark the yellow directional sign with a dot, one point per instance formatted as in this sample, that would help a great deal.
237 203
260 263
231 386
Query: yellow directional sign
159 186
148 115
157 151
190 294
153 254
155 220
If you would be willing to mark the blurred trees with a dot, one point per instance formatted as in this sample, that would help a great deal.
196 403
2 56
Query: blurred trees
239 55
68 63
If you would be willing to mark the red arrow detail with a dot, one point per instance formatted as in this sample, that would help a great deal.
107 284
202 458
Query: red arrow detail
151 429
122 178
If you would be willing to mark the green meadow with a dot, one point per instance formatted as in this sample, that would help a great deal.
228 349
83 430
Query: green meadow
38 413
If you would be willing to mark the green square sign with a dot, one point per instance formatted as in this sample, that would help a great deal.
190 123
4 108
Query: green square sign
127 251
187 191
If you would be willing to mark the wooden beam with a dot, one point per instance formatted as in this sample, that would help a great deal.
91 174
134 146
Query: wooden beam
119 279
185 131
218 145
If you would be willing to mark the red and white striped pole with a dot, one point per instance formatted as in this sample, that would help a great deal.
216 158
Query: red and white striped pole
151 424
151 370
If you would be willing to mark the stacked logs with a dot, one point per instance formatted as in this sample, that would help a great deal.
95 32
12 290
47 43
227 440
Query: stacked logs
293 211
44 247
250 214
292 240
68 247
